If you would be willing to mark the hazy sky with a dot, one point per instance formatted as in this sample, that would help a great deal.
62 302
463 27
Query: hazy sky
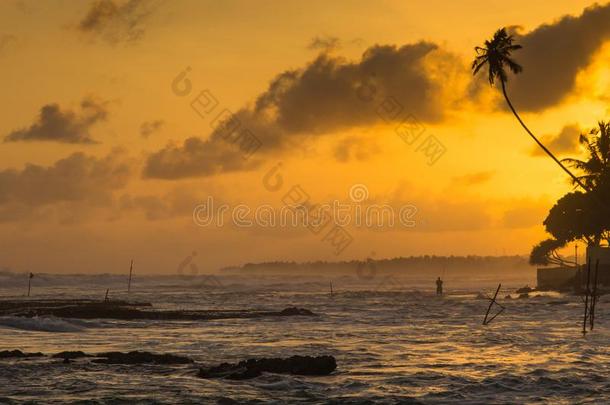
102 161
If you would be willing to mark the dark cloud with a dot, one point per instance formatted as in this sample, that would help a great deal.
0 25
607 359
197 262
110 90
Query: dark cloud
331 93
196 157
77 177
149 127
388 84
116 21
553 54
562 144
67 126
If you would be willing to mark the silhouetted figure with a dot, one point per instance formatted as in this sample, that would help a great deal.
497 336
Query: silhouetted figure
130 272
30 283
439 286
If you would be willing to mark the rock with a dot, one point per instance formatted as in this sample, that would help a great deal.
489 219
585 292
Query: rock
524 290
508 297
70 355
126 311
137 357
13 354
295 365
293 311
523 295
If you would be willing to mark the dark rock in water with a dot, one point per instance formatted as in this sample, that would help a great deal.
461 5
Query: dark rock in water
70 355
296 365
67 361
524 295
18 354
524 290
137 357
293 311
126 311
508 297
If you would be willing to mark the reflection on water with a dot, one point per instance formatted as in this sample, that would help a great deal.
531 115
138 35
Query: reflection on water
389 345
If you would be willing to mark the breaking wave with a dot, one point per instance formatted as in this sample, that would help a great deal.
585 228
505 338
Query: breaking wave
41 324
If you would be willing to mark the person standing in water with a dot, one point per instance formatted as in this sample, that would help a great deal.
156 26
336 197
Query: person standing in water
439 286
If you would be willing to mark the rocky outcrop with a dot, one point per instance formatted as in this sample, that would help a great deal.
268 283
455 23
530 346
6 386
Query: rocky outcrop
294 311
128 311
70 355
137 357
295 365
18 354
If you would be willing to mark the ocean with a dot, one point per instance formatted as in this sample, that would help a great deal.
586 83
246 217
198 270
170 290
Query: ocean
394 341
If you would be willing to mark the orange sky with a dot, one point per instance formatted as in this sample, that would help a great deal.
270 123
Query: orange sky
103 69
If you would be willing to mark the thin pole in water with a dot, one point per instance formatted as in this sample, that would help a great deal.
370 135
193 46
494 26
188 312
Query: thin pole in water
331 288
130 272
493 300
593 298
106 297
584 321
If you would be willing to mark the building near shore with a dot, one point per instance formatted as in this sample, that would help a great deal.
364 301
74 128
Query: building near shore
570 277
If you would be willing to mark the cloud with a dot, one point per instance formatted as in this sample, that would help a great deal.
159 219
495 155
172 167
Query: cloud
67 126
562 144
196 157
387 85
473 178
324 44
78 177
149 127
116 21
553 55
355 148
177 202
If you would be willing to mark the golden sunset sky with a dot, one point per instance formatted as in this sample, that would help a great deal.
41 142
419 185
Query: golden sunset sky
95 169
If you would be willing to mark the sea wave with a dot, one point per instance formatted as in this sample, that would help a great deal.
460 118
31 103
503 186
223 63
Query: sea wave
41 324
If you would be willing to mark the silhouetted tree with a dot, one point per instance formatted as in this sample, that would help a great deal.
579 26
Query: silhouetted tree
496 54
577 216
596 169
545 253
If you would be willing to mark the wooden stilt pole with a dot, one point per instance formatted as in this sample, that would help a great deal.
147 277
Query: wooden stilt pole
493 300
584 321
106 297
593 298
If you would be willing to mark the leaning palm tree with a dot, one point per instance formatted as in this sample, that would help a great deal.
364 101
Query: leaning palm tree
596 168
496 55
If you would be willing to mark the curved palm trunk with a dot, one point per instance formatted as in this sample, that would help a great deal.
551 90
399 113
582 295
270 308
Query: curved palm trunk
548 152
